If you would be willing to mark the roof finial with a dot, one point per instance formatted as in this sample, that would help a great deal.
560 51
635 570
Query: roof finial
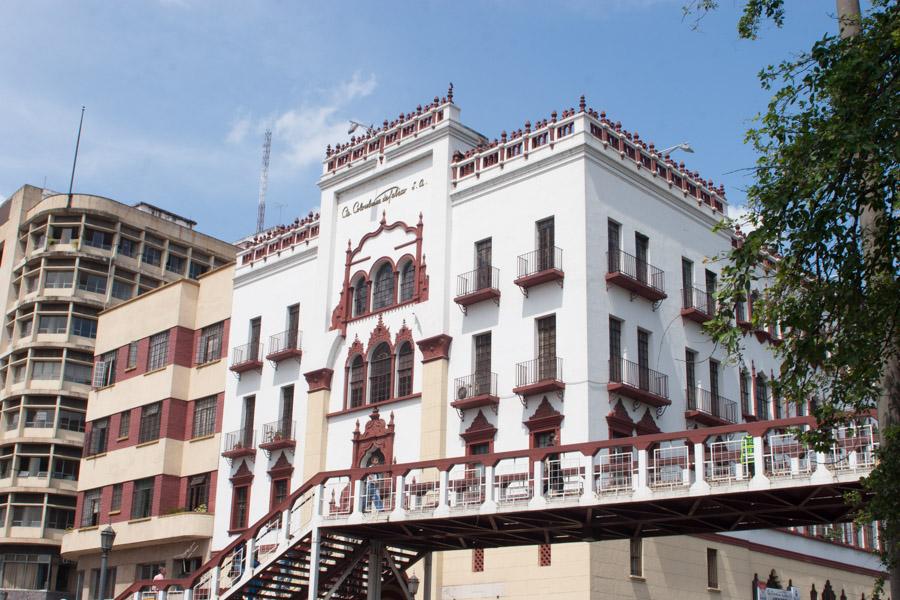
384 217
450 93
581 103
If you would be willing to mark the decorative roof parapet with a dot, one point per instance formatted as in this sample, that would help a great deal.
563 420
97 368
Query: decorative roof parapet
546 132
376 140
278 238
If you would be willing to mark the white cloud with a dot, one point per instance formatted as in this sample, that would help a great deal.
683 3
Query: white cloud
305 131
743 217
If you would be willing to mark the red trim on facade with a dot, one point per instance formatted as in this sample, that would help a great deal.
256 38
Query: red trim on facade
435 348
318 380
619 421
378 405
647 424
377 435
479 432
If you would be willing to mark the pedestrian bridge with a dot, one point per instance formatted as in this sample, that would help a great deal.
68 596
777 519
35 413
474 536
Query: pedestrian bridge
323 540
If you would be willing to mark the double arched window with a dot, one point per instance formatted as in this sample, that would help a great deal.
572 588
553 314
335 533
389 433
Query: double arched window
385 375
407 280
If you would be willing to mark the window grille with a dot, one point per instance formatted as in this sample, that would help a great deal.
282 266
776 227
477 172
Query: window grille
142 499
357 379
210 347
380 374
150 420
383 295
159 350
405 370
204 417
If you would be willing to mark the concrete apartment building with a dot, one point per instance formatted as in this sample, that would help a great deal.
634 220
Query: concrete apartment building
63 260
153 423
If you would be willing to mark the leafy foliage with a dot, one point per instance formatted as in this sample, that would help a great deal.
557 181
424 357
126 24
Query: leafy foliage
829 155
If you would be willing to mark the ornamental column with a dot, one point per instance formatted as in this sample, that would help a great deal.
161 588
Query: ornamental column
318 396
435 372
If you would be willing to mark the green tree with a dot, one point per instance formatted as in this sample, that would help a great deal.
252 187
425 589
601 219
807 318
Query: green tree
822 232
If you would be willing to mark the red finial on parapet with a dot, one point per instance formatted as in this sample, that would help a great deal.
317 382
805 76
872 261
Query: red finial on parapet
581 103
419 223
450 93
384 217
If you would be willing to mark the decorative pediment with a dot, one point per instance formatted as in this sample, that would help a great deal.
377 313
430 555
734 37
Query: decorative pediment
376 436
380 334
544 417
282 467
243 475
647 425
619 420
404 335
355 348
480 430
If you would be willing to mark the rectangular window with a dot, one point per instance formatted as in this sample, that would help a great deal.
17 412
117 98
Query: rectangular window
53 323
711 286
712 568
123 290
124 423
77 373
84 327
58 279
152 255
142 498
105 370
91 282
150 420
479 448
714 382
159 350
644 359
546 347
132 355
239 503
762 397
60 518
65 469
247 421
636 557
546 241
279 492
483 257
293 326
690 362
745 393
110 584
98 436
641 251
198 491
615 349
613 245
687 282
128 246
255 327
204 417
90 511
45 370
286 411
175 264
210 348
115 502
147 570
482 343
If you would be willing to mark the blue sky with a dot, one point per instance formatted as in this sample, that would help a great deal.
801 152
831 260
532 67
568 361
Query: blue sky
178 92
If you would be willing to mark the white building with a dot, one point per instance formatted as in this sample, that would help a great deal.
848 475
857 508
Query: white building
484 296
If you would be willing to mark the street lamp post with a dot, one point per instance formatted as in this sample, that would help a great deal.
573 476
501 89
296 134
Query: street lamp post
107 537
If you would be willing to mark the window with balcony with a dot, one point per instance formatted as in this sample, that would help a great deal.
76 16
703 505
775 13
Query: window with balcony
77 372
286 412
405 369
641 253
545 230
142 498
46 370
482 364
175 263
71 421
714 381
128 246
383 293
198 491
123 290
159 351
151 255
90 512
60 518
150 421
91 282
380 374
690 362
97 239
210 347
26 516
204 422
65 469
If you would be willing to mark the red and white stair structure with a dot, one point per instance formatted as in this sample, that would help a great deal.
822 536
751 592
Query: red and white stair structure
323 541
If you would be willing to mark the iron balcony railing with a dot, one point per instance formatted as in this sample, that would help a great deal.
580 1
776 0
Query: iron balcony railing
285 341
247 353
242 439
711 404
477 384
542 259
542 368
483 278
638 376
640 270
698 299
277 431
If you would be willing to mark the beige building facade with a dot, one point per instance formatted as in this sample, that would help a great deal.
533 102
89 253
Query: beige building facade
64 260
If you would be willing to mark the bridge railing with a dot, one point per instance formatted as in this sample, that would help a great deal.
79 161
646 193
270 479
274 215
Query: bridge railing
635 468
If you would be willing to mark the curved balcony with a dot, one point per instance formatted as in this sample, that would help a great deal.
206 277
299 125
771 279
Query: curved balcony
475 390
635 275
697 305
638 382
709 409
540 266
476 286
538 376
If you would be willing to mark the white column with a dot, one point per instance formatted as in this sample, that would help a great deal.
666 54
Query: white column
537 498
443 507
399 494
642 490
214 583
759 464
490 503
821 473
160 594
699 486
315 548
188 594
249 551
356 515
587 491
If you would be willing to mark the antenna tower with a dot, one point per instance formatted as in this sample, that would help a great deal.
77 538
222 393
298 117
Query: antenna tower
264 181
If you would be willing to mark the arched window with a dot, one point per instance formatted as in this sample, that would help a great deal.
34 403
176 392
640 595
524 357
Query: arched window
405 370
360 296
380 374
762 397
407 281
383 294
357 380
